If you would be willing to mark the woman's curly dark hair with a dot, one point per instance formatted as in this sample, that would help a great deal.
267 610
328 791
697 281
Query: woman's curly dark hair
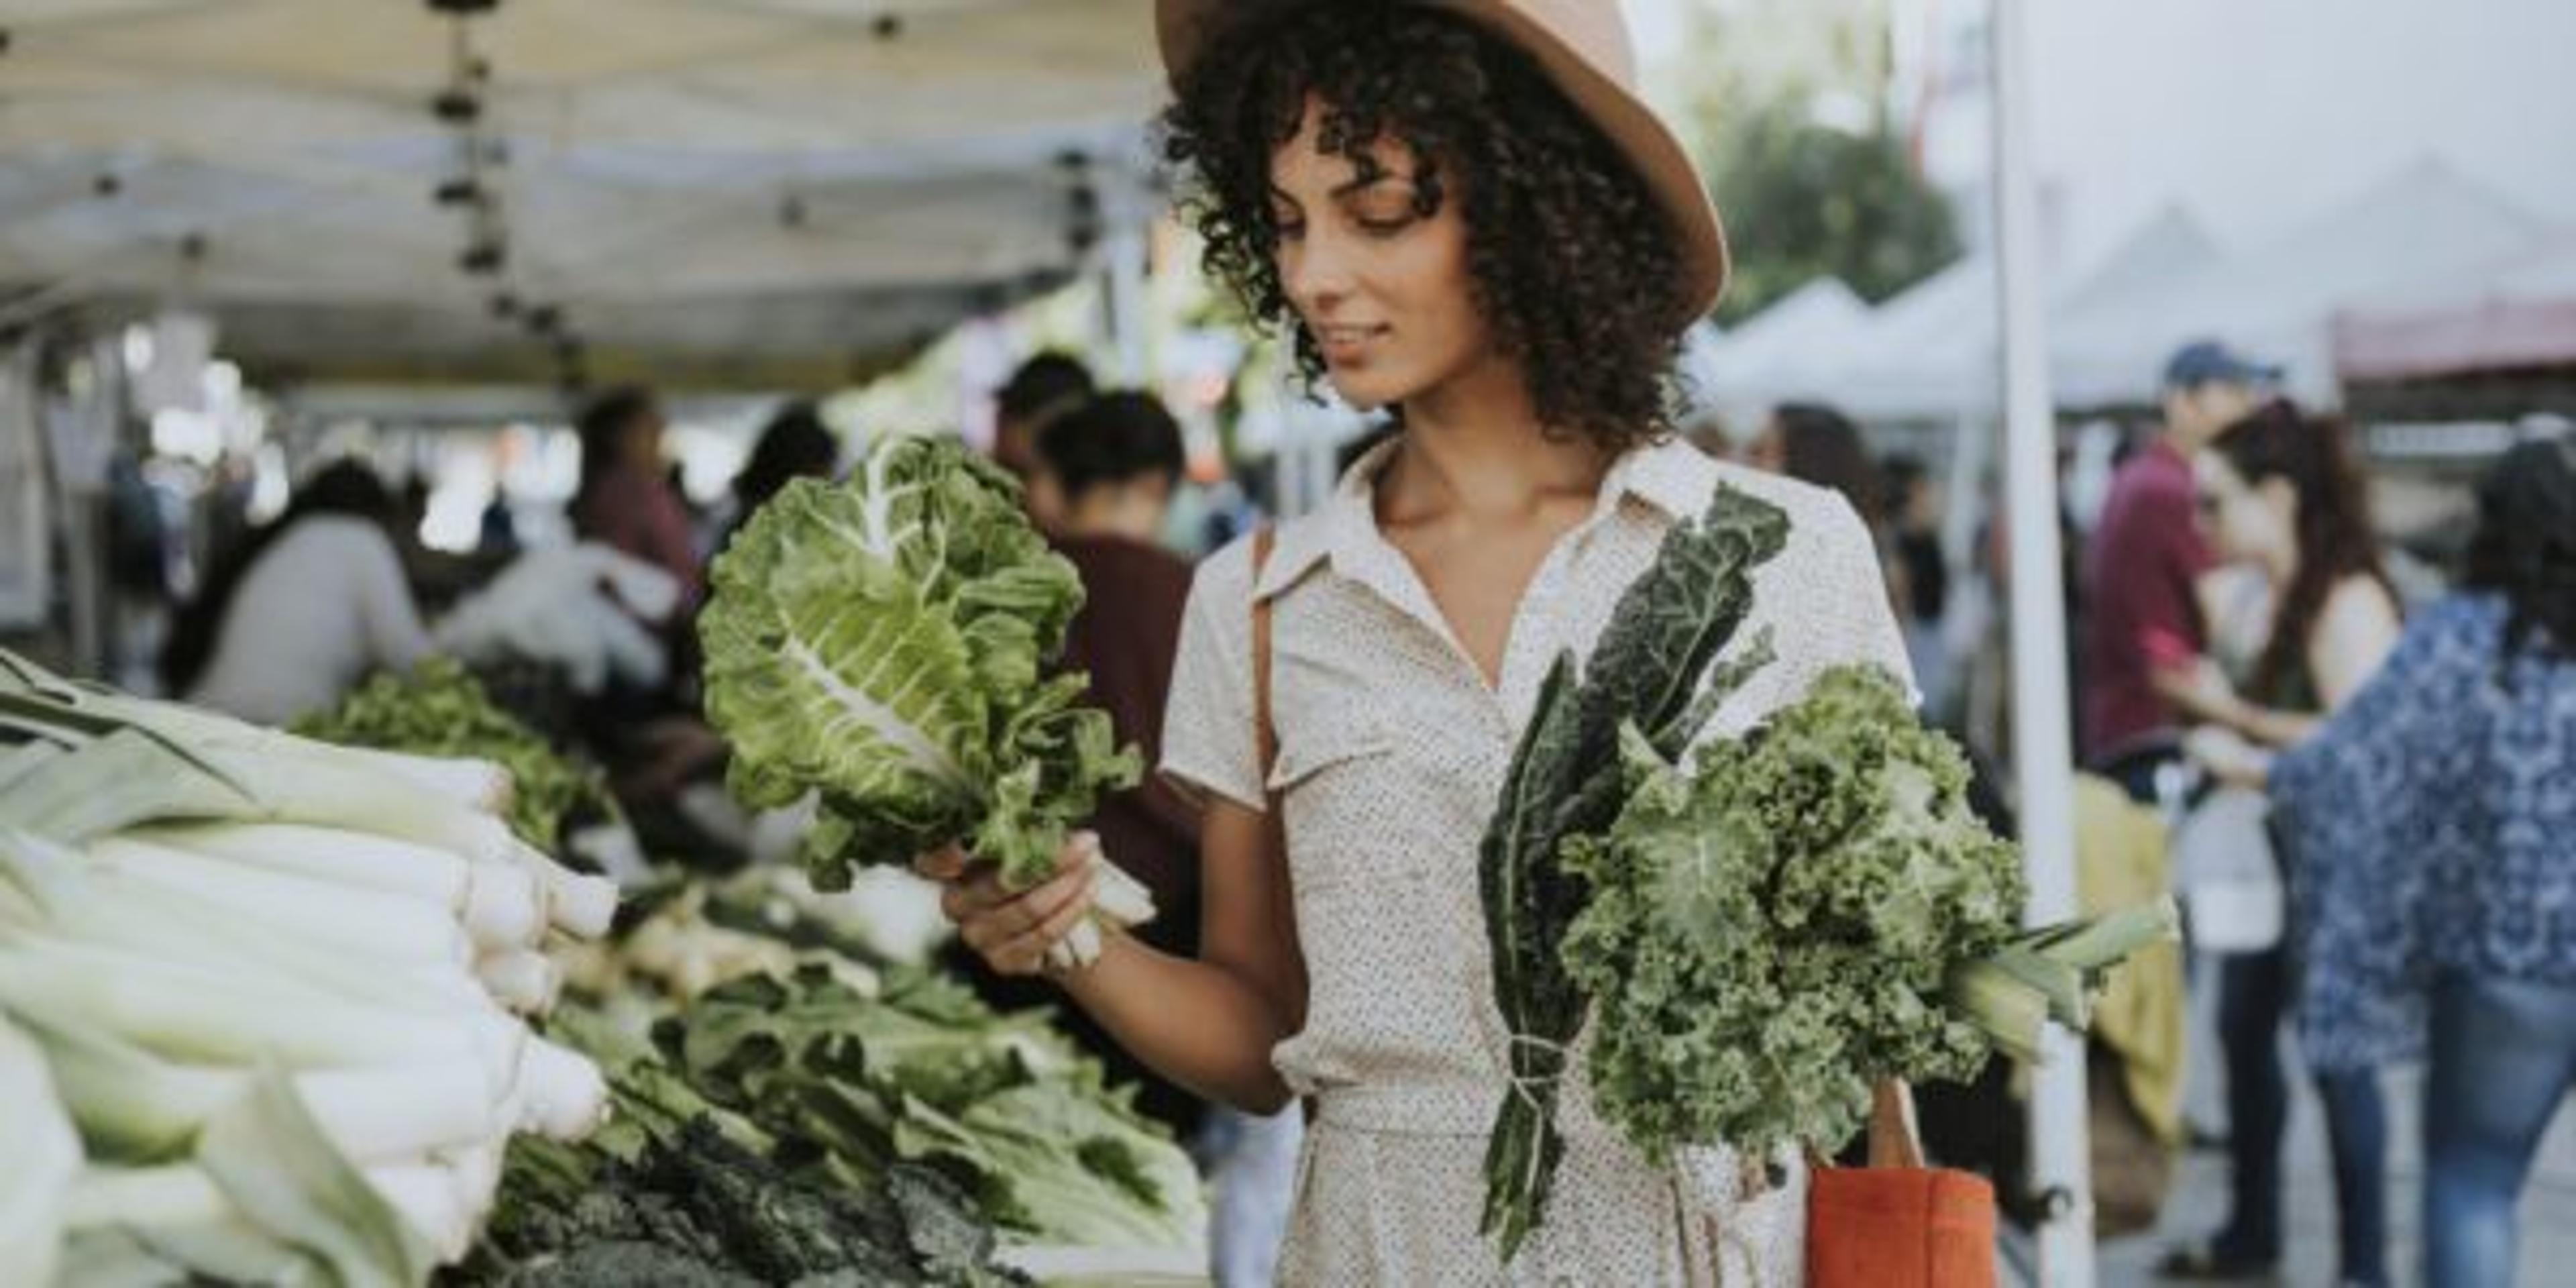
1577 268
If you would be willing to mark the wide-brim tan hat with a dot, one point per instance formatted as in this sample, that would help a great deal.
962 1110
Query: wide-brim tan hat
1582 46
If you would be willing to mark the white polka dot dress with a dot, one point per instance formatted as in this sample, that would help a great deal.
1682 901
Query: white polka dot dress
1392 748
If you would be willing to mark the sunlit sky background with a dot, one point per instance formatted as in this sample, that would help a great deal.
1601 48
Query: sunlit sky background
2256 114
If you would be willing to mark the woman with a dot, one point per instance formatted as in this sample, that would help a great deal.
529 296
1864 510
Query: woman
626 499
1462 215
2437 806
302 609
1814 443
2279 493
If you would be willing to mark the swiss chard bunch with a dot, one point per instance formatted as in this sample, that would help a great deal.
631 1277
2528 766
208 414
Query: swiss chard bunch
881 643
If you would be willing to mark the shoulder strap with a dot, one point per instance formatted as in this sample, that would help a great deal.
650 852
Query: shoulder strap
1265 736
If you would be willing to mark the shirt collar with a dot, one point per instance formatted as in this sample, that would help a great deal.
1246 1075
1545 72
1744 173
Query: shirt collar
1668 475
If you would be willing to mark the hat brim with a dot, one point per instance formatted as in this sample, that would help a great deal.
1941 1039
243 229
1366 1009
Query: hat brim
1186 27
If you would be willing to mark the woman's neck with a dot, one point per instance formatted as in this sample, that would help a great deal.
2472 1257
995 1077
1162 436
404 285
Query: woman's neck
1476 447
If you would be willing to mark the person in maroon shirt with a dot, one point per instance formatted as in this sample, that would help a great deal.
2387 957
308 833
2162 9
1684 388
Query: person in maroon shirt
2145 630
1104 476
625 498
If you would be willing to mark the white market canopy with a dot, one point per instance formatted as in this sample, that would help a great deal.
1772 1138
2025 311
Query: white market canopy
2425 224
723 192
2426 238
1776 355
1930 352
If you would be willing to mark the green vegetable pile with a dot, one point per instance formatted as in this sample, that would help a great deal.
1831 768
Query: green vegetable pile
842 1075
439 709
680 1191
881 643
924 1072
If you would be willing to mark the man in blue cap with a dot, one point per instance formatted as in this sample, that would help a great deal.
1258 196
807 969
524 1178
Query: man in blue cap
2143 567
2144 633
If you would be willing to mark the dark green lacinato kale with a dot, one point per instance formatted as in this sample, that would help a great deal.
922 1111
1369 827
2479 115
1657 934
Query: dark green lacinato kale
682 1190
1656 669
702 1209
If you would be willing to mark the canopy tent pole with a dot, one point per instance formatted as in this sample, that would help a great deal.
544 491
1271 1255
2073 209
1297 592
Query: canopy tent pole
2043 755
1123 267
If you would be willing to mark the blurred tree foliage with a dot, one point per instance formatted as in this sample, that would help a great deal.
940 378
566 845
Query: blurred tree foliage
1786 104
1804 200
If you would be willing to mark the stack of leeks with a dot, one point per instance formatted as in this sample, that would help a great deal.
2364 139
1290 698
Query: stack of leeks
277 989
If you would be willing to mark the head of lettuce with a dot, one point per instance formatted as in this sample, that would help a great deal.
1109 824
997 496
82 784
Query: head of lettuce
881 644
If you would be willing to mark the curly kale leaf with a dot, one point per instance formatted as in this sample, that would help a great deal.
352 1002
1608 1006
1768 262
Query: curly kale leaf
1770 930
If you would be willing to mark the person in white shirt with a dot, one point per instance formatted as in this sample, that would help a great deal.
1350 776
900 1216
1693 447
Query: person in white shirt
303 610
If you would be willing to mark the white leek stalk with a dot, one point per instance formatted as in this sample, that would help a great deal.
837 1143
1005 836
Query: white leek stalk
204 1013
478 785
180 1208
524 981
66 897
264 1198
170 763
41 1155
578 904
561 1094
366 925
134 1106
431 1201
500 906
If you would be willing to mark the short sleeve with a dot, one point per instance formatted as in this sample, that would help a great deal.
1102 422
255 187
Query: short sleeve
1210 748
2165 599
1856 618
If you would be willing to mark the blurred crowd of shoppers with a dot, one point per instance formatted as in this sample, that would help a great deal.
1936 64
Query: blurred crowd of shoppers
2373 814
2366 843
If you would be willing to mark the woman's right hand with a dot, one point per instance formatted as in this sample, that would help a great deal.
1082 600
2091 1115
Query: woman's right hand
1013 930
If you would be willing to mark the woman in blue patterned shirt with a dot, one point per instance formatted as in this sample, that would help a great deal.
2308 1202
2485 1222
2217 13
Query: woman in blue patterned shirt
2435 827
2281 493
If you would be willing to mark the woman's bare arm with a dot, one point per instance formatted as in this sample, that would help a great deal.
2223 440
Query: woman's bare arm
2355 633
1207 1024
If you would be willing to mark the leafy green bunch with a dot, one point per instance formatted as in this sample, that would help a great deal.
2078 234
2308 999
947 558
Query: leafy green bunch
881 642
1776 928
